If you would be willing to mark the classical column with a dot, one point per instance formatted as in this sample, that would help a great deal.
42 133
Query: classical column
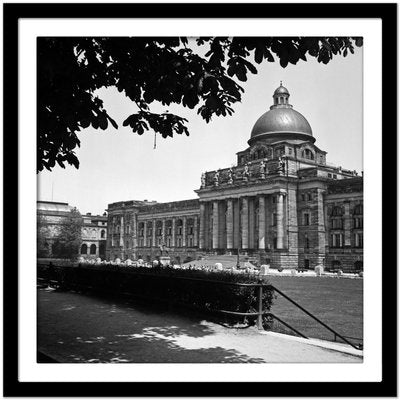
347 224
279 221
163 231
202 225
121 234
134 232
215 225
245 223
261 223
153 233
173 232
229 224
195 231
184 232
252 211
144 233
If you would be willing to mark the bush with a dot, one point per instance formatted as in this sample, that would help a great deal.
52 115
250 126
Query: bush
206 290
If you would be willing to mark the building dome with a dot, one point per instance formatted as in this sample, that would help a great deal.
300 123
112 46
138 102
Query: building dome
281 121
281 90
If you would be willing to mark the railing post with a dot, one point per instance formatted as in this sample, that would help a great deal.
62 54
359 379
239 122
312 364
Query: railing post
260 307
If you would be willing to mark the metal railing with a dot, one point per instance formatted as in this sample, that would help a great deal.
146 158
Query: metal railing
261 314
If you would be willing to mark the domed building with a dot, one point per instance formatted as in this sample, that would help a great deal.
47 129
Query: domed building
281 205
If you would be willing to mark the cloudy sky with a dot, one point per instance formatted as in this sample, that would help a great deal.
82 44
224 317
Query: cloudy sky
118 165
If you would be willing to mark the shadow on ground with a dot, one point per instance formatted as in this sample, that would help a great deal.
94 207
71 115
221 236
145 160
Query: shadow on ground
76 328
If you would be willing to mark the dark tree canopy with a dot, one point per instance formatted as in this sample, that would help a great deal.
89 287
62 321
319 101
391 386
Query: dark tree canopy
69 239
167 70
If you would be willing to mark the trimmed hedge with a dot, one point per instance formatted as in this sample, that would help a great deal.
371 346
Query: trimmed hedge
206 290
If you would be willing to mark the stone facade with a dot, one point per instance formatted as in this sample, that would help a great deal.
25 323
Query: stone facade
52 216
282 204
94 236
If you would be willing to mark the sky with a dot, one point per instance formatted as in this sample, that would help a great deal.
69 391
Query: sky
120 165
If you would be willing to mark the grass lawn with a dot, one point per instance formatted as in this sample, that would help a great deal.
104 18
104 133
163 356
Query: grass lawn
337 302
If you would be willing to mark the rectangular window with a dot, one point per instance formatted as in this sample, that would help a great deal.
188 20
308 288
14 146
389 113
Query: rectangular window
338 240
274 219
337 223
334 176
329 175
358 240
306 219
303 197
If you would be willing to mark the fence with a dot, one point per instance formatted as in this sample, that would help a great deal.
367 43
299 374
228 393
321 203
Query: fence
257 295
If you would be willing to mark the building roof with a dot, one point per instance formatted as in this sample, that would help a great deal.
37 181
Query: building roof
281 120
53 206
281 90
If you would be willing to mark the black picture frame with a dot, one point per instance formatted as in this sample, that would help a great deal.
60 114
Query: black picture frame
11 14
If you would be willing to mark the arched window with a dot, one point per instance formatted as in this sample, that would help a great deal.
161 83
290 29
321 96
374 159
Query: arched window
93 249
179 224
141 229
308 154
103 234
159 228
84 249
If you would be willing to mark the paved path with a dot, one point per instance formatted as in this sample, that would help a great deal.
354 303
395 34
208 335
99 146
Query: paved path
75 328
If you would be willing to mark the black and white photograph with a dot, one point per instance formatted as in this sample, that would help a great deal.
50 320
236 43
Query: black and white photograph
200 200
186 175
